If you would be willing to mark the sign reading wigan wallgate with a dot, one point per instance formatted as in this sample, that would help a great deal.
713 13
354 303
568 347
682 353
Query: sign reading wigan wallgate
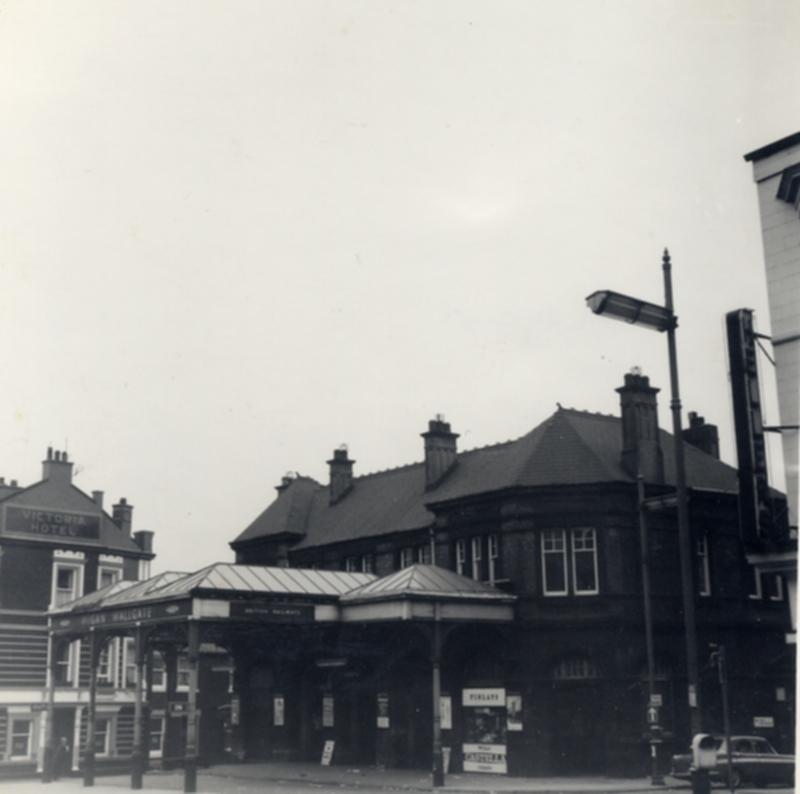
122 616
57 524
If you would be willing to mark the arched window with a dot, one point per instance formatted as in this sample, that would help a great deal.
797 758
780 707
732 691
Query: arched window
575 669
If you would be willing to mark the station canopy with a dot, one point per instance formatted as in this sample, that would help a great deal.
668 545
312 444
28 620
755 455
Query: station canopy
225 592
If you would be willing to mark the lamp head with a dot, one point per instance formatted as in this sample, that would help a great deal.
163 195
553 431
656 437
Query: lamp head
631 310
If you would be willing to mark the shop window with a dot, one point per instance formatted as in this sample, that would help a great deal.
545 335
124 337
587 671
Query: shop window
102 736
554 562
584 561
703 567
20 737
156 737
575 669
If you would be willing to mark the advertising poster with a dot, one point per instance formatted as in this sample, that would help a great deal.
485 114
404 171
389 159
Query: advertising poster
446 712
514 712
277 709
383 710
485 730
327 711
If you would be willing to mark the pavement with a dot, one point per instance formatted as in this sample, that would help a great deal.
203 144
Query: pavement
308 776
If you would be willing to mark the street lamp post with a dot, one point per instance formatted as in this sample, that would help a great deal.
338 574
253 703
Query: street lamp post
662 318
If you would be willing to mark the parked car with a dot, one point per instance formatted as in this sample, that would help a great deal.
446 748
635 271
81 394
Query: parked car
753 760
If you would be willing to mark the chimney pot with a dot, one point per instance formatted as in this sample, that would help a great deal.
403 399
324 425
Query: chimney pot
56 468
13 483
2 480
97 498
143 538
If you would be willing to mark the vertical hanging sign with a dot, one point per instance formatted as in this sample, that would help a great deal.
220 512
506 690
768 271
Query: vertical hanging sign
327 711
383 710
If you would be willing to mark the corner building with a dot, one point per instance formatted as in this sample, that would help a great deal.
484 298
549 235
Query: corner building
552 519
57 544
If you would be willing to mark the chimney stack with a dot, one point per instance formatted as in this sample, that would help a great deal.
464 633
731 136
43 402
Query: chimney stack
56 467
144 540
641 447
341 474
699 434
97 498
440 450
123 515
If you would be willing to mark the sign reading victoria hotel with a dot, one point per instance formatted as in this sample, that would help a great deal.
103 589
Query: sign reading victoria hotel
33 522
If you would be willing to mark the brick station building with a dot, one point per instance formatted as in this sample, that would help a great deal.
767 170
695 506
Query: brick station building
56 544
482 608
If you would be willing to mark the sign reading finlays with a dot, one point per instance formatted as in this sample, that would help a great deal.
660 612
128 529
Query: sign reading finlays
32 522
490 696
327 752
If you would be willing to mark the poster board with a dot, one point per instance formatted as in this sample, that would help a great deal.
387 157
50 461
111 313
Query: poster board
327 752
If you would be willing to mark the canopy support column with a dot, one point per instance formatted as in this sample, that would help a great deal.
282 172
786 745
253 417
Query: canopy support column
190 767
436 664
95 648
49 733
137 757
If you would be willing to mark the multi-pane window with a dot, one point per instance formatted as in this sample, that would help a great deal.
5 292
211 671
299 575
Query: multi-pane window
130 662
424 553
183 672
66 662
106 662
21 733
461 556
407 557
494 556
156 736
102 735
159 672
703 568
107 576
478 557
775 587
476 552
575 669
754 591
351 564
569 562
554 561
67 584
368 564
584 561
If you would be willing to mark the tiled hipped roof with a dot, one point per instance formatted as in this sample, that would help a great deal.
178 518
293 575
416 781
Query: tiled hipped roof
569 448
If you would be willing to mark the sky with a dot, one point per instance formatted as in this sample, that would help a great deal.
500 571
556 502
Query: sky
235 235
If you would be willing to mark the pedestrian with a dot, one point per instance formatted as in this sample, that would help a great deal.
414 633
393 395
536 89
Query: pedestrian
60 758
